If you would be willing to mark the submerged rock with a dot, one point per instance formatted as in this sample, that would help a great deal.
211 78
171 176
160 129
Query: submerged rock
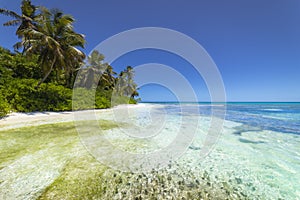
250 141
245 128
194 147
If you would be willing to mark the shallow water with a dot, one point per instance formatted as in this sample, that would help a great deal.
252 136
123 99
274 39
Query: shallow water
257 155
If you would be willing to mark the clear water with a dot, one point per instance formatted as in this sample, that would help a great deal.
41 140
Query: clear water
258 153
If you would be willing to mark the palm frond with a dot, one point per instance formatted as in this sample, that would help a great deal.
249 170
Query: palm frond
12 22
10 13
66 20
74 39
33 33
75 52
18 45
27 8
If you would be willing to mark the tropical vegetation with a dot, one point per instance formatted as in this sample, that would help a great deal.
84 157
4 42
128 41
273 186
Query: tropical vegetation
40 75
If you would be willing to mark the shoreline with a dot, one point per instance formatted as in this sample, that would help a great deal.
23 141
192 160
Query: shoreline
19 120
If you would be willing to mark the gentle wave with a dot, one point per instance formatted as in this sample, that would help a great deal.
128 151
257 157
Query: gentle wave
273 109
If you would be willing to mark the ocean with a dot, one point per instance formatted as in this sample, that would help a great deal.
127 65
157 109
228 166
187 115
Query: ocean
259 147
254 154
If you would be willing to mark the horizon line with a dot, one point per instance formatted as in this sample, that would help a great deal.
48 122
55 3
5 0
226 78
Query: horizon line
219 102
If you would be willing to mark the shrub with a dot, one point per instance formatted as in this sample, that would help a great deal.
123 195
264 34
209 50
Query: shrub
83 99
90 99
4 107
19 66
23 97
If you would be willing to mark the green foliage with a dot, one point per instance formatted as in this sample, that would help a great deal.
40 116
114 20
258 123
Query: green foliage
5 70
4 107
24 67
83 99
118 100
19 76
42 77
55 41
90 99
18 66
101 101
23 97
125 85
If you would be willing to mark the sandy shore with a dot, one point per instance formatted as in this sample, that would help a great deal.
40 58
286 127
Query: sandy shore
18 120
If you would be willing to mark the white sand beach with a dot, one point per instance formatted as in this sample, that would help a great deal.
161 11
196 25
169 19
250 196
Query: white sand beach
18 120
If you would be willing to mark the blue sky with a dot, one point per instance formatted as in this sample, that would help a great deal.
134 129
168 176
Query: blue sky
255 44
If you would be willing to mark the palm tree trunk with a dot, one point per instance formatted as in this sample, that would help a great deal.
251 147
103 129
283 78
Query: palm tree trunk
48 73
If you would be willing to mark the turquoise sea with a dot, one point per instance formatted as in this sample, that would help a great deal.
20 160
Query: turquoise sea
257 155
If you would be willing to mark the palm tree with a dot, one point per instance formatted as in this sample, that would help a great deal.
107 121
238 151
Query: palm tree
50 35
56 42
97 69
107 79
94 67
126 85
25 21
96 59
131 87
120 84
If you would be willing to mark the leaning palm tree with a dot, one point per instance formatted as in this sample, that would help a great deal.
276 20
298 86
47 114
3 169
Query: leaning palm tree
56 42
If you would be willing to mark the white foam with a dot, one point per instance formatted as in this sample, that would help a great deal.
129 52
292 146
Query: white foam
273 109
